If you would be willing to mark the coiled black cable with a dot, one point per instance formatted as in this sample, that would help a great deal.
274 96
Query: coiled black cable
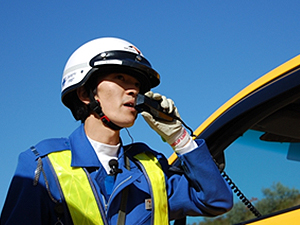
241 196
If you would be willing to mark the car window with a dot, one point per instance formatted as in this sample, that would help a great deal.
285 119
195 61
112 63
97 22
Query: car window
263 170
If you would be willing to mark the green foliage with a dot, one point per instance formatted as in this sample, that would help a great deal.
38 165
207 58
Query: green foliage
276 198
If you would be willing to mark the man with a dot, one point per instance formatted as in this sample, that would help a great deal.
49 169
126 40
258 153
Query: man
90 177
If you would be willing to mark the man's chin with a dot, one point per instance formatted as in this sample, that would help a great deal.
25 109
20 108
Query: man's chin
125 124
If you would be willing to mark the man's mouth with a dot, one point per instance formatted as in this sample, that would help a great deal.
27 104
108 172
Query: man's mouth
130 104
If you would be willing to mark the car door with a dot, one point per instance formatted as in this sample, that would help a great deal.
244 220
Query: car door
250 130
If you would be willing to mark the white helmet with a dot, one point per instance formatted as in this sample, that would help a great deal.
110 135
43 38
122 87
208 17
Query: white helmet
112 55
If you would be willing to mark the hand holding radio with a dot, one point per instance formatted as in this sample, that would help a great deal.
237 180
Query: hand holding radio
153 107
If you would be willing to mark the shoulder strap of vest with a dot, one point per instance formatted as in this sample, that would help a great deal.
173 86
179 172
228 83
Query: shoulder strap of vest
157 180
76 189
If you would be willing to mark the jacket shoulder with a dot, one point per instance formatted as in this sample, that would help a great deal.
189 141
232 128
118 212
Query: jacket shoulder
52 145
139 147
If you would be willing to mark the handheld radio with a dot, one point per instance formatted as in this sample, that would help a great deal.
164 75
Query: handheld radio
144 103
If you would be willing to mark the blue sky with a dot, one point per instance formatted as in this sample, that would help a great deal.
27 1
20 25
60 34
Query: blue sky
205 51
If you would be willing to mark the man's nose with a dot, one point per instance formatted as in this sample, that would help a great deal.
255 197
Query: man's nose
133 91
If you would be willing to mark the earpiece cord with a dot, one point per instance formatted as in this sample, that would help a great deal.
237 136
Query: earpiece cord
131 138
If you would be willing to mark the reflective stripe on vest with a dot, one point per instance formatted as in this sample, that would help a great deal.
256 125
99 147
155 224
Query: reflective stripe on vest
158 185
76 189
80 198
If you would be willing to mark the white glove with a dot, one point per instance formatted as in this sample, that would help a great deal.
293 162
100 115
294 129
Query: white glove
172 132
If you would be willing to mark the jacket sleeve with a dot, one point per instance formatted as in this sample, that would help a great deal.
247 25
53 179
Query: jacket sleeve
200 190
25 203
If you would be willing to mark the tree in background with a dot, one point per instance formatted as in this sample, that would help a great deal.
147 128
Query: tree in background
276 198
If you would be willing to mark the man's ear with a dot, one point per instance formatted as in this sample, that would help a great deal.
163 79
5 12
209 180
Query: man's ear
83 95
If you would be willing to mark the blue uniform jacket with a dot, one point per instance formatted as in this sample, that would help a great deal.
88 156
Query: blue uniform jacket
200 190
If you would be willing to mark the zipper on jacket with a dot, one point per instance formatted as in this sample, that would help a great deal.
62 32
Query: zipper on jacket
106 204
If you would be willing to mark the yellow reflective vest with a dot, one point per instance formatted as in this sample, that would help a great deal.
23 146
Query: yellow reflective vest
80 197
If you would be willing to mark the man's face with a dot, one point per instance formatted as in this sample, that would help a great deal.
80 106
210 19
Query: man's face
117 93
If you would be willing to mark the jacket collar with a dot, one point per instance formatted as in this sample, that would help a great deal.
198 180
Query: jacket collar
83 154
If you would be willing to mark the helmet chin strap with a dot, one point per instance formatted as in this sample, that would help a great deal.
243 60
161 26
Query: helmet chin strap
95 106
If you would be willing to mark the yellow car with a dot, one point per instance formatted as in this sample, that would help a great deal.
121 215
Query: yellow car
267 112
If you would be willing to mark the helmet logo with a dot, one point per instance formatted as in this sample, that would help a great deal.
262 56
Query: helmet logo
135 48
63 82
